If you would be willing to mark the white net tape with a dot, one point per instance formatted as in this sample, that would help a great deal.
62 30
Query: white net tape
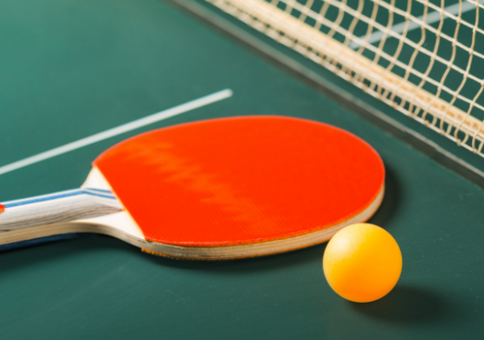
423 57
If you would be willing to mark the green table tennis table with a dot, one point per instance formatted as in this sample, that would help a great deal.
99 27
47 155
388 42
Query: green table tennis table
71 69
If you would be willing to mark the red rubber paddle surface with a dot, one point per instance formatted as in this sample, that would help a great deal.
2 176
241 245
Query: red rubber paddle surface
242 180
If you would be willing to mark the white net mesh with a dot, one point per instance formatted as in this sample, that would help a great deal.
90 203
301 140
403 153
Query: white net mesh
423 57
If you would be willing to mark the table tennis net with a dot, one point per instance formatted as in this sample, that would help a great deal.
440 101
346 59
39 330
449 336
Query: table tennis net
425 58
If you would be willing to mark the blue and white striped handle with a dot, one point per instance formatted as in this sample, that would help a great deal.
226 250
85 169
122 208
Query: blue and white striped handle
61 207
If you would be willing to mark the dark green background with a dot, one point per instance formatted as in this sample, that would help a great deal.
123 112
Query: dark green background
72 68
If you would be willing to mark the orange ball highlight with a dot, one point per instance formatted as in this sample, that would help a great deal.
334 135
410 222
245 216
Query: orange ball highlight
362 262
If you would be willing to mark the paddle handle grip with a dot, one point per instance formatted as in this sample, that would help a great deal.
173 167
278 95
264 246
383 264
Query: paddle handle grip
61 207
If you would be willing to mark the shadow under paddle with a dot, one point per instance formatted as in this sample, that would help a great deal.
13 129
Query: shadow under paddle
390 202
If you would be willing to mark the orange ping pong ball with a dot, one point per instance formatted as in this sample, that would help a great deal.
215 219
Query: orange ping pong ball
362 262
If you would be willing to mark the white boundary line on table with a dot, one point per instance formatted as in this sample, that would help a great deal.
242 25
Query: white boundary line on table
191 105
431 18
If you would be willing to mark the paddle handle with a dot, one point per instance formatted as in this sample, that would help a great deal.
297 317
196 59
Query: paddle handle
61 207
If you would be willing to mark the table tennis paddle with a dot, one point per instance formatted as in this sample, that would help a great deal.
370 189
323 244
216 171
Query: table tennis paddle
216 189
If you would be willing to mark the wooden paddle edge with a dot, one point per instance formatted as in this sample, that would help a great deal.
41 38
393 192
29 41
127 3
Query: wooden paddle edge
261 248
